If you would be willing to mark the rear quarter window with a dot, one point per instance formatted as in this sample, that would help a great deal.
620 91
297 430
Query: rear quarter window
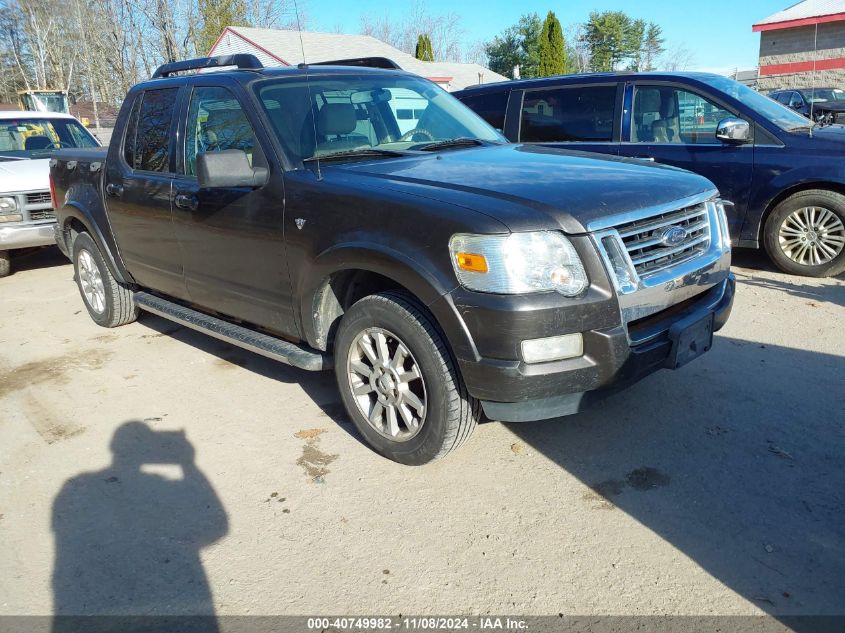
490 106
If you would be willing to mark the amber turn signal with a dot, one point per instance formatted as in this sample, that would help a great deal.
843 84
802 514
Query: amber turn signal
471 262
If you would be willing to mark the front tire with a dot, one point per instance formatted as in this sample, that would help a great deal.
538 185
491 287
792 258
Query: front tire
805 234
399 382
5 263
108 302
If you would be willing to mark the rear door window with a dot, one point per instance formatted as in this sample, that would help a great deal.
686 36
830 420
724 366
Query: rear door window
490 106
147 142
582 114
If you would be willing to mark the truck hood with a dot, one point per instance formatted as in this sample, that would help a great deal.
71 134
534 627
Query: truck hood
24 175
530 187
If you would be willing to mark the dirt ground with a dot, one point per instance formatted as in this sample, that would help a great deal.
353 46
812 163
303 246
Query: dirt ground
153 461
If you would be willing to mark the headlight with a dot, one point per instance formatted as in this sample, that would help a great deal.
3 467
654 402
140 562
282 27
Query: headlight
8 205
518 263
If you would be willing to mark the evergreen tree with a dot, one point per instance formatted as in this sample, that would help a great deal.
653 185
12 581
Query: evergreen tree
424 50
552 51
652 46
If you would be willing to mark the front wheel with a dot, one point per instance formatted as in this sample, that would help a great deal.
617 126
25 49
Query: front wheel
5 263
805 234
109 303
398 381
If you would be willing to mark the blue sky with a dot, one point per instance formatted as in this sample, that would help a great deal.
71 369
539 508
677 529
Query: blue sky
717 32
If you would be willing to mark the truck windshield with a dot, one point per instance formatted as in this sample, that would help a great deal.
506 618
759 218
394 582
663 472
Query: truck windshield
785 118
36 138
341 114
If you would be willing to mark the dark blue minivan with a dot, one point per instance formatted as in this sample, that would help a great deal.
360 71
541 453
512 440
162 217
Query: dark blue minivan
784 175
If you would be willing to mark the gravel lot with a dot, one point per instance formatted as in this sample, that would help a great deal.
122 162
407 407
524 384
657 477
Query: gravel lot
716 489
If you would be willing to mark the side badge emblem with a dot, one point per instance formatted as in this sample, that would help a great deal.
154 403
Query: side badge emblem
300 222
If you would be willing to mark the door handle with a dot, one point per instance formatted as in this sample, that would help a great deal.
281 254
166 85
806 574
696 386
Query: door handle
186 201
114 189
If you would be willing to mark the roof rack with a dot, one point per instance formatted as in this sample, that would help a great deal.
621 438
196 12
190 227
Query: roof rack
369 62
243 61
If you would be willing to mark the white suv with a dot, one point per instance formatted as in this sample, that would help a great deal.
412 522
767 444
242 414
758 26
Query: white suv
27 139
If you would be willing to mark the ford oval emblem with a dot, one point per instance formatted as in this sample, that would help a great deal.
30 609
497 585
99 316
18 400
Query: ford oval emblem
673 235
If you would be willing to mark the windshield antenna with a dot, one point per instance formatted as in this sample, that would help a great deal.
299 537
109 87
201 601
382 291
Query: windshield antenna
308 88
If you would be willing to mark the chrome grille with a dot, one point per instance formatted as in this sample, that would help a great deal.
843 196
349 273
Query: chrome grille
39 197
649 252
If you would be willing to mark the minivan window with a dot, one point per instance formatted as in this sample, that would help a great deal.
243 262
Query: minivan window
670 115
785 118
490 106
576 114
147 143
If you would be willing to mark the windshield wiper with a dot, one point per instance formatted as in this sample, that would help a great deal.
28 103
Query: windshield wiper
462 141
367 152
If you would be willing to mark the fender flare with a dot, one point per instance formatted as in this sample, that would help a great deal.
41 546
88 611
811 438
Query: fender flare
73 210
430 289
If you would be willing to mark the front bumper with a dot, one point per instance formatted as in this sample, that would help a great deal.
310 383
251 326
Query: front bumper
27 235
511 391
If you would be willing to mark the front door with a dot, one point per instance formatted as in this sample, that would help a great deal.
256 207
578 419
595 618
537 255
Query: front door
138 190
232 238
675 126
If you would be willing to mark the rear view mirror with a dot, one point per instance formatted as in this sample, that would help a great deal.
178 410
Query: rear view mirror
229 168
733 131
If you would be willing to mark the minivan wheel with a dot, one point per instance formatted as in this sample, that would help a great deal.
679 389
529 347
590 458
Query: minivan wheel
398 380
805 234
109 303
5 263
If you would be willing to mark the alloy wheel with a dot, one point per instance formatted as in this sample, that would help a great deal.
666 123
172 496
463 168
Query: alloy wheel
812 236
387 384
91 282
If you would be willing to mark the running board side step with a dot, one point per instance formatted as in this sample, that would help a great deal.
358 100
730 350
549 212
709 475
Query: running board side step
263 344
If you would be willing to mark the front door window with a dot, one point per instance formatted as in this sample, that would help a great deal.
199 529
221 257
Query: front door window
666 115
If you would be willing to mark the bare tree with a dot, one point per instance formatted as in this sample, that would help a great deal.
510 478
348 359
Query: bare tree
677 58
445 31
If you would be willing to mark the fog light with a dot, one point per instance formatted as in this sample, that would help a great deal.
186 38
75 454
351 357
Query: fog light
543 350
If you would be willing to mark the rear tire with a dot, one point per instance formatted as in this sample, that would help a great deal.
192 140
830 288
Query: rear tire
805 234
389 355
5 263
109 303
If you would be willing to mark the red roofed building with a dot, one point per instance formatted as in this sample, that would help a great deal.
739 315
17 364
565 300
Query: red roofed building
803 45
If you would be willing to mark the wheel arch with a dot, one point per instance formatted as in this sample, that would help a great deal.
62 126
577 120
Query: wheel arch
74 216
345 275
820 185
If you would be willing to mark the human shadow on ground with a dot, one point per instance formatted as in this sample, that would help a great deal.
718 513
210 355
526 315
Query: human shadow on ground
128 540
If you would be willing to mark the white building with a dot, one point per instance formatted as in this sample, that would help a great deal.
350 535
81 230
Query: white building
275 47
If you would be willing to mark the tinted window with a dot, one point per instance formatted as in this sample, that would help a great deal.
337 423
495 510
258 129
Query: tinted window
782 97
795 100
147 144
491 107
216 122
583 113
670 115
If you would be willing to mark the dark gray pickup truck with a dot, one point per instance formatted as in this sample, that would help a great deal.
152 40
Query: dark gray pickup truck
299 213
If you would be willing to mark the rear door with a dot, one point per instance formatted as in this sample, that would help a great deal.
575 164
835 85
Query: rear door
676 125
137 193
232 238
583 117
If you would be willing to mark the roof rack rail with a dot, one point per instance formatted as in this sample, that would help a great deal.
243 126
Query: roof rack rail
369 62
244 61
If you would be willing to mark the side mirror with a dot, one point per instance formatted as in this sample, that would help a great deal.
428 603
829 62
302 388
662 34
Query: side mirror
733 131
229 168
